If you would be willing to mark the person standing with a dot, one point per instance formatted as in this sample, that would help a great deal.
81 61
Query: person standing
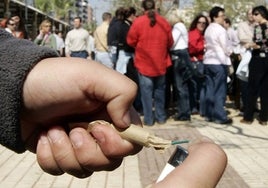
245 35
60 42
125 52
196 52
182 69
233 84
77 41
101 43
45 37
113 36
150 35
258 69
216 62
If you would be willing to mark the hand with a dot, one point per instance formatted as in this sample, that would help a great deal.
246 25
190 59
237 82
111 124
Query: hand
41 33
203 167
60 91
255 46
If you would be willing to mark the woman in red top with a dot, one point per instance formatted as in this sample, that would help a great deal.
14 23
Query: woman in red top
150 35
196 51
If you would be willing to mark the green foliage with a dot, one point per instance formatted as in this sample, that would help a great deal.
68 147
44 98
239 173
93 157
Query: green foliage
43 5
162 5
235 10
59 7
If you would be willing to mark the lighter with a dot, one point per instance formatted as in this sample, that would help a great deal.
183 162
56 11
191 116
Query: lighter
175 160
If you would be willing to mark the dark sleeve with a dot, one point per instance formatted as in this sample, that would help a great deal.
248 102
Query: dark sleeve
17 58
112 36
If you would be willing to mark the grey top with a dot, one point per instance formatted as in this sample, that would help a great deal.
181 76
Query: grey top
17 58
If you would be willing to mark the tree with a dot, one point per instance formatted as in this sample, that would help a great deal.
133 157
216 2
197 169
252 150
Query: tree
162 5
58 7
235 10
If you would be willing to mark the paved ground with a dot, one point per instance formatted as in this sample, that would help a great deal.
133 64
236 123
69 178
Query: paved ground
245 145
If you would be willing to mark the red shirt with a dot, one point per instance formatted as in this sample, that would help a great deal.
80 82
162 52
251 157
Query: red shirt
196 45
151 45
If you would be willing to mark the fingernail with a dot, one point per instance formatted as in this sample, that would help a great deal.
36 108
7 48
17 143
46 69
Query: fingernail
43 139
76 139
54 136
98 135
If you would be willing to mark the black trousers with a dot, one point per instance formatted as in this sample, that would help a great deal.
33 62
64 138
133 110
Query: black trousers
257 87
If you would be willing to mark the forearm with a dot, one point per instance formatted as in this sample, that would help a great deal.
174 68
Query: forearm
17 59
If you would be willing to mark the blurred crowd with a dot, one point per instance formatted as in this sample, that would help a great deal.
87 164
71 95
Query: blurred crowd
179 71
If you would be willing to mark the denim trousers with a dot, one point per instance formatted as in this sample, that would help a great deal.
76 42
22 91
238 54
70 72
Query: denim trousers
82 54
122 61
183 81
216 90
196 88
153 96
104 58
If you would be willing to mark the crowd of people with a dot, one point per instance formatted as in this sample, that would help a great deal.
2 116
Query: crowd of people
190 71
169 63
187 72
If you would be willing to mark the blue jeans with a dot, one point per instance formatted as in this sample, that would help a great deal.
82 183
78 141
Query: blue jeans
183 74
202 97
104 58
216 90
153 89
196 89
82 54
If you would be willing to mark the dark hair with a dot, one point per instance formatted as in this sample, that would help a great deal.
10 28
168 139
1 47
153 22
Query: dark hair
120 13
261 10
129 11
8 21
214 12
78 18
106 16
195 21
228 21
149 5
21 27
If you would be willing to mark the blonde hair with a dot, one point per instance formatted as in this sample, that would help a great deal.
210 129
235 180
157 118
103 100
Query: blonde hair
173 16
43 23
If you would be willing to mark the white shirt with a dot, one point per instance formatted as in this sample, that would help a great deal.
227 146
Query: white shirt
218 47
8 30
245 32
180 36
92 43
77 40
60 42
233 37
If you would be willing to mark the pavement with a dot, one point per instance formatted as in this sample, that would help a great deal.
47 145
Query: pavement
245 145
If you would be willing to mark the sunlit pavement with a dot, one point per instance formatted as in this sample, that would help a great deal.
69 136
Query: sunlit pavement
245 145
